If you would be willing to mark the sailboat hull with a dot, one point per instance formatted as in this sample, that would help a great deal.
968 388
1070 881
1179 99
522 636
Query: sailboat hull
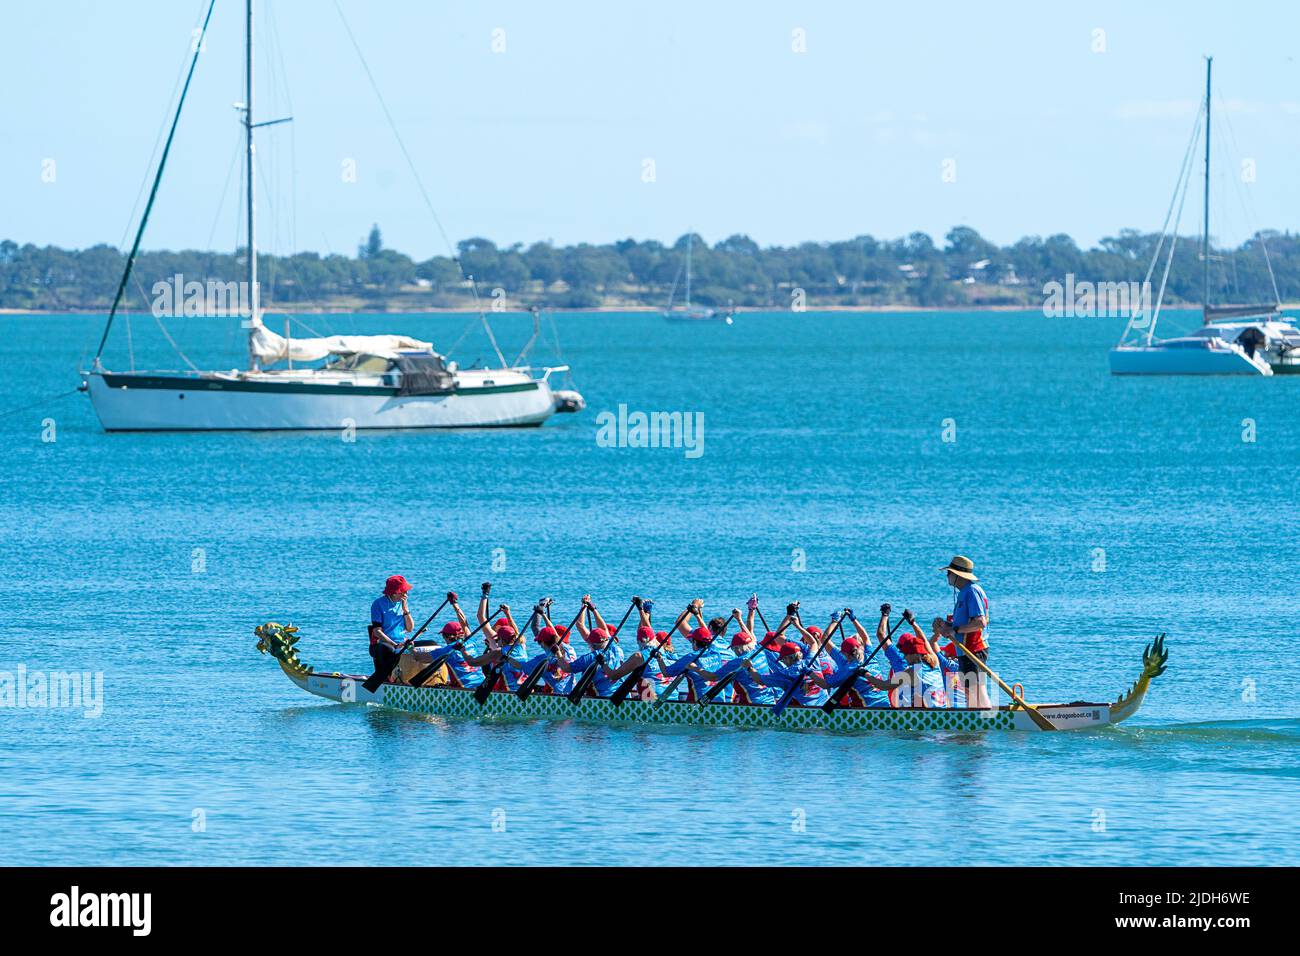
1185 361
141 402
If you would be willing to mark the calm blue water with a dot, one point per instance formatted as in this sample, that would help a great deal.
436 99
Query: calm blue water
823 432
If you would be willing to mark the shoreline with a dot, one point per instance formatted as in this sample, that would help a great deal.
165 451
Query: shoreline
599 310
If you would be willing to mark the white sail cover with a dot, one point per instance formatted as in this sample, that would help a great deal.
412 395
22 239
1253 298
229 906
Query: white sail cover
267 347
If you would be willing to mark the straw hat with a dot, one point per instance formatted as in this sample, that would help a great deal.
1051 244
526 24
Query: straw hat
963 567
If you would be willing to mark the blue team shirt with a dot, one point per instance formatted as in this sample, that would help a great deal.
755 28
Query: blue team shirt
515 655
756 692
613 655
808 694
710 660
467 674
870 696
932 693
387 614
971 602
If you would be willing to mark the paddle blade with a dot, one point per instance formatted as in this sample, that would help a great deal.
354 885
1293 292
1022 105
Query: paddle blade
482 691
585 681
371 683
631 682
841 691
709 695
787 697
670 689
526 688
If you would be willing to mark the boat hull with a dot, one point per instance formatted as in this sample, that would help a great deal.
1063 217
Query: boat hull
1187 361
457 703
139 402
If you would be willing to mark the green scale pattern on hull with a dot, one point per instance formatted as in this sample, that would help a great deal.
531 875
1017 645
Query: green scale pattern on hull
458 703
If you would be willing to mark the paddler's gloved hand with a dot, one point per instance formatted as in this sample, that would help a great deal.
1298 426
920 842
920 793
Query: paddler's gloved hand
637 602
835 616
792 609
487 588
648 606
752 603
908 616
451 597
848 612
884 610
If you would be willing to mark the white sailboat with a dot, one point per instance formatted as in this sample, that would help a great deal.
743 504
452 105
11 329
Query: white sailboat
689 312
367 381
1221 346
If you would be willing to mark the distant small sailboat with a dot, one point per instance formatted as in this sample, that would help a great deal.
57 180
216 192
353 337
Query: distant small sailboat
387 381
1221 346
689 312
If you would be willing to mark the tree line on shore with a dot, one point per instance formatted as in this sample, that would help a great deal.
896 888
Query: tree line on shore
864 271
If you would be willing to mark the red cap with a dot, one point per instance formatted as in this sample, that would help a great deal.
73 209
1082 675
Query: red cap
504 629
702 634
645 633
563 632
911 644
949 649
597 634
662 635
396 585
451 629
742 638
789 649
813 629
547 635
850 644
772 641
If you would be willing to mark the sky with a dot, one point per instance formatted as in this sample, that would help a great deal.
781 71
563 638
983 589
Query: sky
592 122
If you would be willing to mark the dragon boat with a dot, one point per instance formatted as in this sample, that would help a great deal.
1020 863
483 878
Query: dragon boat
280 642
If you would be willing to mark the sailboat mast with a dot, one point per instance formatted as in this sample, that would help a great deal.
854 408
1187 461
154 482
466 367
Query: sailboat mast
253 315
1205 219
690 238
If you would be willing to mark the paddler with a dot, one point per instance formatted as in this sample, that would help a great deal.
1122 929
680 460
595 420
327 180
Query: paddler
703 661
969 626
916 675
648 640
466 665
507 639
391 625
745 646
555 680
849 656
602 647
787 671
812 636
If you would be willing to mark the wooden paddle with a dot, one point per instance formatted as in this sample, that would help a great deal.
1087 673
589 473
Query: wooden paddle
371 683
1042 722
837 695
526 688
633 679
